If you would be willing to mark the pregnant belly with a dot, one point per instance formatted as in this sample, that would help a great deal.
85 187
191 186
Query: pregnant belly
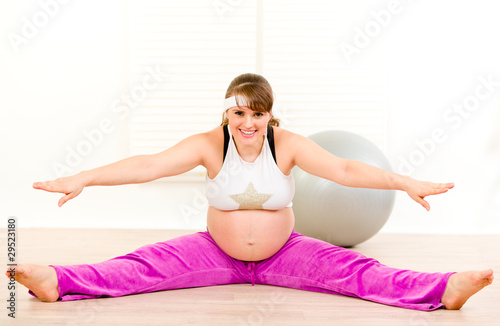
250 235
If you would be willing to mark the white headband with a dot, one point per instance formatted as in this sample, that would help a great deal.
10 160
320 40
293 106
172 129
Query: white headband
231 102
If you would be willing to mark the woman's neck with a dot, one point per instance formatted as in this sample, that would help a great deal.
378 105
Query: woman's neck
249 153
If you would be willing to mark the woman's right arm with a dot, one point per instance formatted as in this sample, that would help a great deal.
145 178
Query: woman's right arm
182 157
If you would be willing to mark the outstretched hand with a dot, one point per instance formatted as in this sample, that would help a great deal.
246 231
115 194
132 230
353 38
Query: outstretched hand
418 190
70 186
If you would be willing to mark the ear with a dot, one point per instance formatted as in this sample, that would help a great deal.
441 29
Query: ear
224 117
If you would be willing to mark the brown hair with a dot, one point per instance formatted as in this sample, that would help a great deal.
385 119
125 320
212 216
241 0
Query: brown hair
258 93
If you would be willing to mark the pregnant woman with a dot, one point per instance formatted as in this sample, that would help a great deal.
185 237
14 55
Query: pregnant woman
250 235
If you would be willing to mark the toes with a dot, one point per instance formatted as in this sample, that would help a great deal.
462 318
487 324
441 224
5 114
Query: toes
10 272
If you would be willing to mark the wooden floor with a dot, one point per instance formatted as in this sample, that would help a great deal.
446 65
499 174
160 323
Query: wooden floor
243 304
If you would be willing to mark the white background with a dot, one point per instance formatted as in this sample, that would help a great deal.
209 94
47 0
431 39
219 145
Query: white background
61 82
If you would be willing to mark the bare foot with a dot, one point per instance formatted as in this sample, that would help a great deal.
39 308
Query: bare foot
41 280
461 286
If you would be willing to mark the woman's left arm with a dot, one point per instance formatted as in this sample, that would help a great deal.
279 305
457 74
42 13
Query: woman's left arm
315 160
359 174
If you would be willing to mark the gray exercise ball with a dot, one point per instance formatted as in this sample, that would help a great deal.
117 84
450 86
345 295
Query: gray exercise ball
341 215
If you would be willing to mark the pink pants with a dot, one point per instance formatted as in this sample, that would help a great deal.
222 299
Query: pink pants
302 263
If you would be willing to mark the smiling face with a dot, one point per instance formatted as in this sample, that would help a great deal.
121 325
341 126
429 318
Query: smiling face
248 108
247 127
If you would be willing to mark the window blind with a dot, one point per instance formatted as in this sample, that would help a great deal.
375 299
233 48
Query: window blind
316 88
200 46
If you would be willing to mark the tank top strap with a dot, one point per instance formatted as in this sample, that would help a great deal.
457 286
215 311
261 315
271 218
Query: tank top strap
227 136
270 139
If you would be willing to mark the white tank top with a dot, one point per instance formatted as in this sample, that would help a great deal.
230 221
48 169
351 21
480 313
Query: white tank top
244 185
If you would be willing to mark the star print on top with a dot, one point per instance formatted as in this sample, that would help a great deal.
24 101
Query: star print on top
250 199
250 185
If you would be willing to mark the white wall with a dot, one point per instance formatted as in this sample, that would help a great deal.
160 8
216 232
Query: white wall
62 82
443 52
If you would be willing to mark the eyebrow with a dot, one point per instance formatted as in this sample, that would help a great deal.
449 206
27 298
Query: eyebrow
240 110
